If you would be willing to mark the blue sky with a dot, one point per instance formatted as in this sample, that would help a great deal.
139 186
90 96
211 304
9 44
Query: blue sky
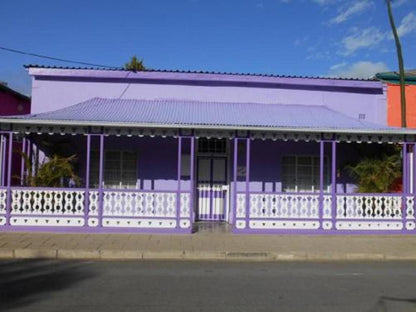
348 38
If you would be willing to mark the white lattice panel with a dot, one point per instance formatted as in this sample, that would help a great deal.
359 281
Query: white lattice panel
327 206
47 202
368 226
93 203
47 221
370 207
139 204
410 207
274 225
185 205
139 223
284 206
3 200
241 205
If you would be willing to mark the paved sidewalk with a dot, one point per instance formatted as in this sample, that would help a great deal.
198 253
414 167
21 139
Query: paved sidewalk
208 246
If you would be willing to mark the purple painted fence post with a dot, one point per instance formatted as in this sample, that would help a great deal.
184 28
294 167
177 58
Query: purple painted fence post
334 184
405 182
192 182
414 181
178 196
234 197
247 182
22 162
321 183
100 182
9 180
87 181
3 157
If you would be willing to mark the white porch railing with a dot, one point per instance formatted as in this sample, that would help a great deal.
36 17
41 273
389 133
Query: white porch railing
276 211
117 208
47 207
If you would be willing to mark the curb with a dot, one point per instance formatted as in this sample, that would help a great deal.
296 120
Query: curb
108 254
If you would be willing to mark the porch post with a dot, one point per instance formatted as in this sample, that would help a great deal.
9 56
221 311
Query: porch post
321 183
5 148
414 182
192 181
3 158
100 182
233 216
9 180
334 184
405 182
247 182
87 181
22 162
178 194
413 190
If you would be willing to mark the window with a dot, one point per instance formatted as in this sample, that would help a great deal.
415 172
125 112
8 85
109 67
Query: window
212 146
120 169
301 173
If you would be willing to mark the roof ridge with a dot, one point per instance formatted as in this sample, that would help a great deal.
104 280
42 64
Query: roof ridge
200 72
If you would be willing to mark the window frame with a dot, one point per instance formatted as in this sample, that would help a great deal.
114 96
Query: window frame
312 189
94 169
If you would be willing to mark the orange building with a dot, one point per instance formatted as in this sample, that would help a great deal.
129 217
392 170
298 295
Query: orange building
393 98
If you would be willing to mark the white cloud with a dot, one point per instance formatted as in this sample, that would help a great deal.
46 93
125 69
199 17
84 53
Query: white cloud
398 3
363 69
347 12
365 38
320 2
408 25
370 37
323 2
337 66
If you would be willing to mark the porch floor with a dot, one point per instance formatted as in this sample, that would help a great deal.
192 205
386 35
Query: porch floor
211 227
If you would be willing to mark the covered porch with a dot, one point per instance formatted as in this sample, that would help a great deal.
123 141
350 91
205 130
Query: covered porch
141 173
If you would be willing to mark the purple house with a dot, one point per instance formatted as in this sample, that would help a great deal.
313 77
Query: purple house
161 150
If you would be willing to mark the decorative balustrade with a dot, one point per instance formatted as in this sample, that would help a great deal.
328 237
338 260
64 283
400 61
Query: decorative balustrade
139 204
108 208
279 211
158 209
47 206
301 211
375 212
284 206
153 209
369 206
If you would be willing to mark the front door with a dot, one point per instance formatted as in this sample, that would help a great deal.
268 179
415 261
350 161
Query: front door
212 188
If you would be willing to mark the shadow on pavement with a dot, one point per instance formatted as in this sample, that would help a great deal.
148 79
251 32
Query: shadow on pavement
23 282
384 304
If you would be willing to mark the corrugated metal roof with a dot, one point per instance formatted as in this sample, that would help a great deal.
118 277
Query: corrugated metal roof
197 72
394 77
213 114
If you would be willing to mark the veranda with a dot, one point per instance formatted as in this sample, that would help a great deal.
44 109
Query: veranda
165 179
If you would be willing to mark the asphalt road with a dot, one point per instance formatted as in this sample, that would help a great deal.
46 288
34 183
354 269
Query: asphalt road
46 285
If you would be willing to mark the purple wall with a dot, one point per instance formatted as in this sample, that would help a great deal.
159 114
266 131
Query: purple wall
54 89
156 159
265 163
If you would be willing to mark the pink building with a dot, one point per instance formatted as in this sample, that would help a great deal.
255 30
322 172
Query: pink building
12 103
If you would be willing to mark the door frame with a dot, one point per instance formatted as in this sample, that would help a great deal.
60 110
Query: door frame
211 158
